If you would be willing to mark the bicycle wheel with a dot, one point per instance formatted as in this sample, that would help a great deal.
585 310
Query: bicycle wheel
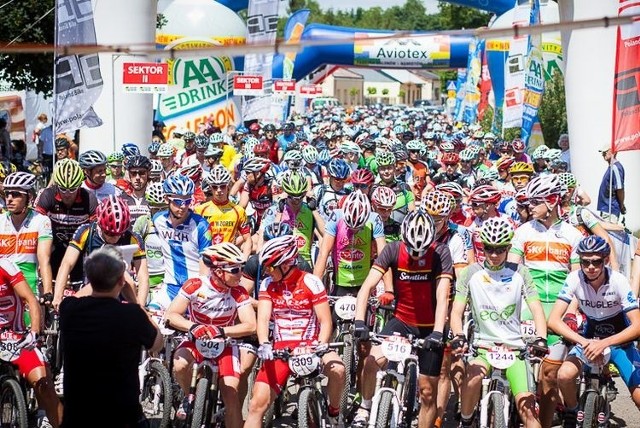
12 404
308 414
410 392
347 360
385 409
200 403
496 412
590 409
157 394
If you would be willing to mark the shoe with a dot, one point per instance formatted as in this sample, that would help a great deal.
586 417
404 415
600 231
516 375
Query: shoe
334 422
613 370
569 419
362 418
58 384
43 421
183 410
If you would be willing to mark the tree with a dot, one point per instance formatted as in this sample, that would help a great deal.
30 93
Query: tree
553 110
372 91
385 91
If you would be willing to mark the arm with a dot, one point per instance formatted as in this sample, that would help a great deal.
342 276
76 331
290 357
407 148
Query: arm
175 314
26 295
43 253
362 300
380 243
69 260
558 326
620 198
247 324
325 249
323 312
142 273
264 316
244 199
247 245
158 342
320 225
455 320
442 305
539 318
628 334
597 229
237 187
249 284
128 292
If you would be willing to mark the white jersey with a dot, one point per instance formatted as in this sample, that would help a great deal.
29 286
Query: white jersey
209 305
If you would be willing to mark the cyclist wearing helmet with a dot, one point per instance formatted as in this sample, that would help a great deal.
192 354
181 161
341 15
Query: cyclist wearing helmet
94 165
362 179
212 157
26 234
138 168
519 148
275 152
227 220
110 228
155 173
153 148
312 167
369 155
417 149
115 171
194 172
406 201
166 154
65 148
144 227
213 302
547 246
189 139
287 138
254 129
494 290
538 158
218 141
422 271
297 304
326 196
612 323
184 235
484 202
257 189
68 206
520 174
201 144
468 174
449 174
383 199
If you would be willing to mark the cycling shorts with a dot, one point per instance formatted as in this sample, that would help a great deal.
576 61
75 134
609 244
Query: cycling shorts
29 360
519 375
557 352
626 359
155 279
429 361
228 361
276 372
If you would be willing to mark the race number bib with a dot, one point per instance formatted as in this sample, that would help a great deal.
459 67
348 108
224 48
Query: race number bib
162 325
528 329
9 350
346 307
210 348
396 348
501 358
303 361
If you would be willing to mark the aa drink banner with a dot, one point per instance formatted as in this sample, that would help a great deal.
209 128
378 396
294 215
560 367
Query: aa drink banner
474 70
514 72
77 78
262 25
626 90
534 77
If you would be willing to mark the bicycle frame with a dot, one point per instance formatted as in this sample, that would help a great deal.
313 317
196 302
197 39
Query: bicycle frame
211 370
496 384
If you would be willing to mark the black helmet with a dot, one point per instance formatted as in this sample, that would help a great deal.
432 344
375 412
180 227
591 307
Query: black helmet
62 143
270 127
138 161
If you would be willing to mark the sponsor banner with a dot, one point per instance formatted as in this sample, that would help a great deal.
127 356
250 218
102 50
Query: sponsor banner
460 91
77 78
145 77
417 51
534 77
626 89
248 85
514 72
284 87
310 91
485 86
474 71
293 34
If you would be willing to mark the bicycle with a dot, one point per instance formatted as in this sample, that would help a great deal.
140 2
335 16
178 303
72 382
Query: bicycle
595 396
13 392
395 401
345 310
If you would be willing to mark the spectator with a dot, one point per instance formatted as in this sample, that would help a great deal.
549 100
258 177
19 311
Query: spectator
563 144
45 146
611 193
5 140
103 337
37 132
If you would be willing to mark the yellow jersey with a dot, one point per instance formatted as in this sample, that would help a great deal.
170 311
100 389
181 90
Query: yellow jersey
225 221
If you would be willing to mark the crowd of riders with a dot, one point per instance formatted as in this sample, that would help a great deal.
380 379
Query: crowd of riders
247 233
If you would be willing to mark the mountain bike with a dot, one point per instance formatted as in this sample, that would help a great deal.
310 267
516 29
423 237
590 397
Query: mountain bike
345 310
13 403
595 395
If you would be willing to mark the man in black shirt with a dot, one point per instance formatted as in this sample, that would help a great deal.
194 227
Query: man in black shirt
102 339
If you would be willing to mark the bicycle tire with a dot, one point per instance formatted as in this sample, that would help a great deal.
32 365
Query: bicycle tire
11 393
410 392
200 403
590 410
308 415
347 360
269 415
496 412
166 399
383 417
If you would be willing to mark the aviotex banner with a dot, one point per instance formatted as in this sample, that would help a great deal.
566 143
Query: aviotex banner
534 77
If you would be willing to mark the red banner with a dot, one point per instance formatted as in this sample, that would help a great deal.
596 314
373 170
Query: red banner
485 86
626 89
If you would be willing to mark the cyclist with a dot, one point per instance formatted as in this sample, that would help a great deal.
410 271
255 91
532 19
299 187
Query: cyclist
405 199
605 298
311 166
144 227
227 220
201 144
383 199
450 172
275 152
189 138
138 168
15 294
287 139
547 246
297 304
94 165
217 141
110 228
194 173
484 202
422 271
328 195
63 148
519 148
68 206
166 154
213 302
26 234
494 291
115 171
183 235
520 174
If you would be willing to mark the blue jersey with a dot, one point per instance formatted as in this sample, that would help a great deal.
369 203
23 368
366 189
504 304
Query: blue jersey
181 247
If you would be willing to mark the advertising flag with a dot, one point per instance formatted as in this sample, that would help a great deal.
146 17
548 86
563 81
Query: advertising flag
293 34
514 72
460 93
474 72
626 90
485 86
77 78
534 77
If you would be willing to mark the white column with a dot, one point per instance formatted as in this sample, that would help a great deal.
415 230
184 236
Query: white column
590 67
126 117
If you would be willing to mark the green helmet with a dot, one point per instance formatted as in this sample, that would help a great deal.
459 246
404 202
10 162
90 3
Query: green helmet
294 183
539 152
68 174
115 157
568 179
415 145
155 195
385 158
496 231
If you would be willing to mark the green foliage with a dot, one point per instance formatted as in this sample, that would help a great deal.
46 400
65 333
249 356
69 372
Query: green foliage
385 91
553 110
372 91
354 91
161 21
401 94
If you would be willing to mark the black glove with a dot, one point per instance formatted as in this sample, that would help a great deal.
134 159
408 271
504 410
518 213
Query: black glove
433 341
360 330
538 347
458 342
312 204
46 298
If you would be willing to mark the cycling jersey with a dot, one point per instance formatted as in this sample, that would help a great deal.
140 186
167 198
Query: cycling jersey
210 305
261 196
293 300
495 298
404 198
351 252
226 221
457 246
153 249
21 246
415 281
137 206
255 274
102 192
328 199
88 238
302 224
274 147
12 315
181 247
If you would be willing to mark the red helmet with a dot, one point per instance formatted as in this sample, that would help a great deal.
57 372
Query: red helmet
254 127
362 176
485 194
518 145
450 158
113 215
458 144
261 148
194 172
504 163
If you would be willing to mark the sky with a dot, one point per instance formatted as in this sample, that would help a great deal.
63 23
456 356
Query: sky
431 5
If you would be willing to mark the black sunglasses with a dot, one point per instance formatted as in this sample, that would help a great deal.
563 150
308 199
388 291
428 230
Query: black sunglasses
596 263
490 249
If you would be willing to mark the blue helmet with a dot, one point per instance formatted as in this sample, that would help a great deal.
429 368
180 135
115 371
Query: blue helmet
179 185
276 230
130 149
154 147
593 244
324 157
339 168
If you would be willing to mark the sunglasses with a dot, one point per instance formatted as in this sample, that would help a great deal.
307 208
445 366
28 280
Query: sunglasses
360 185
490 249
233 270
137 173
181 202
67 191
111 235
596 263
478 204
296 198
115 165
414 151
218 186
15 194
463 161
535 202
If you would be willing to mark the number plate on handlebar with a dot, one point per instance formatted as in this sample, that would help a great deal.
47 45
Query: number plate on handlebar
303 364
396 348
500 357
210 348
9 350
345 307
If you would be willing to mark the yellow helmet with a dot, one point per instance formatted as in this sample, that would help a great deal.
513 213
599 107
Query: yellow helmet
6 168
521 168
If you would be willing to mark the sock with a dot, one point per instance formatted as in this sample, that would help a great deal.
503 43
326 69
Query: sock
333 411
366 404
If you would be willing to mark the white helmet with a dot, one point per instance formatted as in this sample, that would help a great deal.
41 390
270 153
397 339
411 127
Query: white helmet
418 232
384 196
222 254
356 209
219 175
544 186
20 181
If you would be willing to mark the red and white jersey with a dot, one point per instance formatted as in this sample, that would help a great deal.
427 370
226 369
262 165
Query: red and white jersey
210 305
293 302
11 307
